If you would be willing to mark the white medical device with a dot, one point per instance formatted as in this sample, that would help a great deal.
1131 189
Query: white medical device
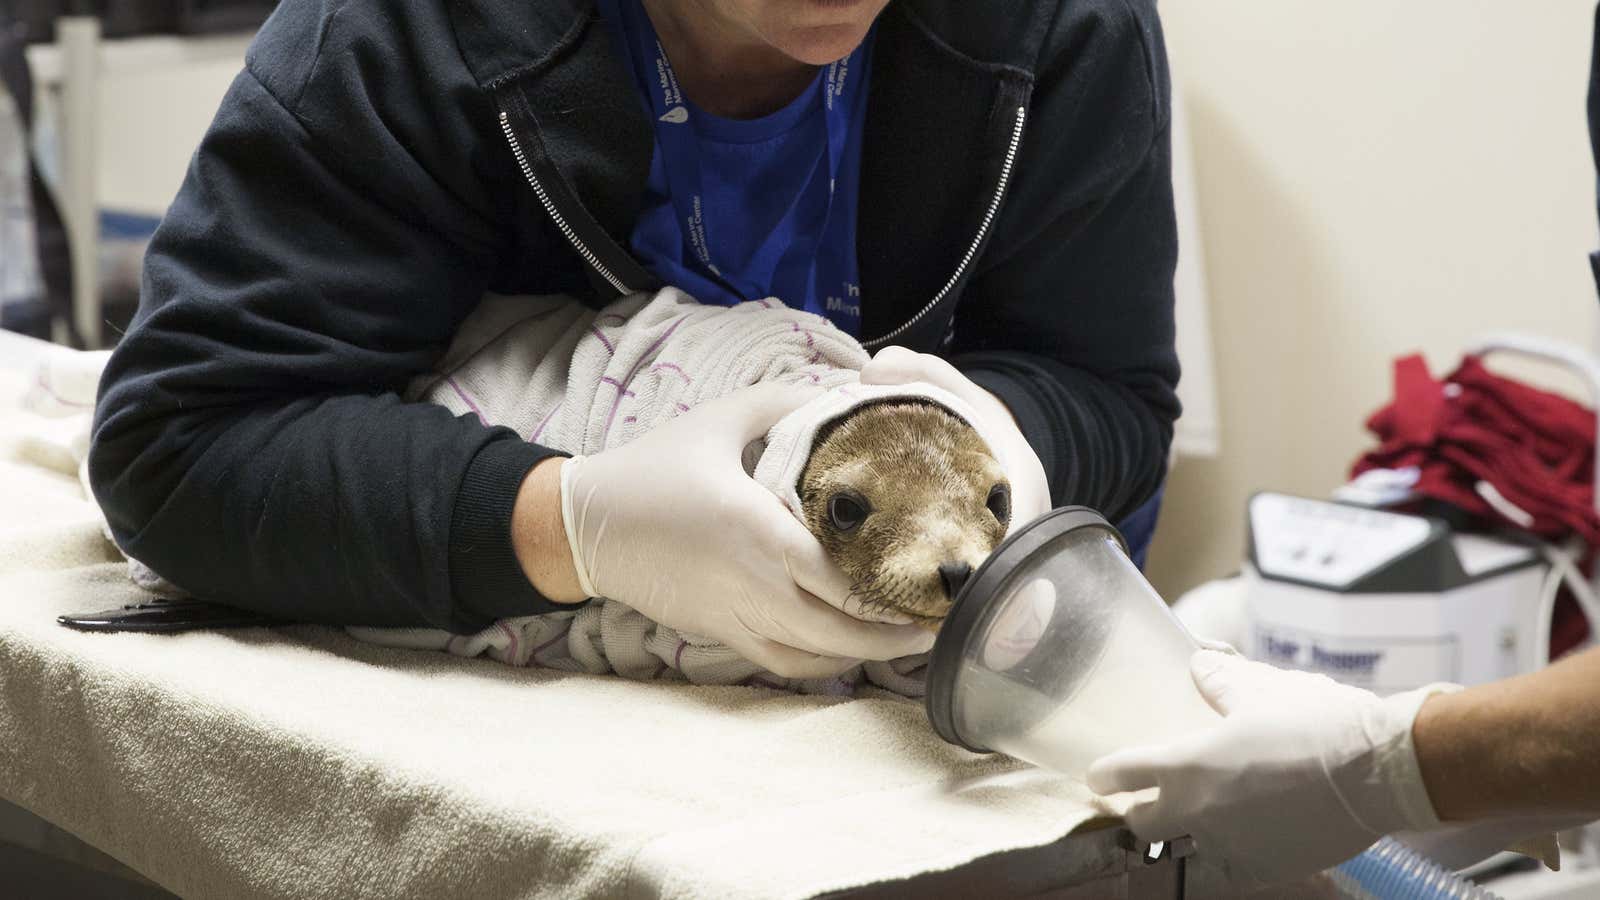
1388 601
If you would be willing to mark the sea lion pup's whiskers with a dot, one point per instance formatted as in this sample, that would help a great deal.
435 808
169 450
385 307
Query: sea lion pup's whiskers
908 501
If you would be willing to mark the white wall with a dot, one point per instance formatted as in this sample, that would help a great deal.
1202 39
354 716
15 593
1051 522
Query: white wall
1374 178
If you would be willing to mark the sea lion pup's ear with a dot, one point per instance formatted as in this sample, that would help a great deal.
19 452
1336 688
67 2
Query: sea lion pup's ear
751 457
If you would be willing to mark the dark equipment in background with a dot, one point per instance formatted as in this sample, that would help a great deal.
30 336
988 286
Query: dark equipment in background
25 22
50 234
128 18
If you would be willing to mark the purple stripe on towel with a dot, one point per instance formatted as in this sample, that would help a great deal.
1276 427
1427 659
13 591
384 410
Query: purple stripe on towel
552 642
512 653
547 417
643 358
677 658
816 355
674 367
655 346
43 381
595 330
450 380
607 379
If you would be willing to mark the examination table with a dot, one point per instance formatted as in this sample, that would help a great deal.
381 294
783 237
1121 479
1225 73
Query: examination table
299 762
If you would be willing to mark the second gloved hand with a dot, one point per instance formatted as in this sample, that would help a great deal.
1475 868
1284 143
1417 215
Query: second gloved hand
1302 773
1030 491
671 526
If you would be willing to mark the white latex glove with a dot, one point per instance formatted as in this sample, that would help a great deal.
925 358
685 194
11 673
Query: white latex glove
1030 492
671 526
1302 773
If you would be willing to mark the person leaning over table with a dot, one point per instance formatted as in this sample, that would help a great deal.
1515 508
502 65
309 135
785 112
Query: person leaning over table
981 192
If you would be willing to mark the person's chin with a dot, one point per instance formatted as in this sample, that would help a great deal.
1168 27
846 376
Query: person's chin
820 45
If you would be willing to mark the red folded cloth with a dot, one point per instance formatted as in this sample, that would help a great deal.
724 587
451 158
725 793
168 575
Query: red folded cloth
1535 449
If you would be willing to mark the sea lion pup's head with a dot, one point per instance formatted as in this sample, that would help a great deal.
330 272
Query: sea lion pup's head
908 501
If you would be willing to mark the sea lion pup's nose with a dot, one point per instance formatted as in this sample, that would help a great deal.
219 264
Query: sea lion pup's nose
954 575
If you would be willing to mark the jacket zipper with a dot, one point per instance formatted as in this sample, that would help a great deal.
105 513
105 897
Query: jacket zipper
955 277
555 214
977 239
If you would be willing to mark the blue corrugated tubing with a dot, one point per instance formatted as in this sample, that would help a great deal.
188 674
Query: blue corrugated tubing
1390 870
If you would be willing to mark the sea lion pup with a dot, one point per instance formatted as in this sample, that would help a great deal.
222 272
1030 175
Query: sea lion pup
908 501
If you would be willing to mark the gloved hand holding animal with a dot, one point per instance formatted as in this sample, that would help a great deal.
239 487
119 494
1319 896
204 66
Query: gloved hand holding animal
848 513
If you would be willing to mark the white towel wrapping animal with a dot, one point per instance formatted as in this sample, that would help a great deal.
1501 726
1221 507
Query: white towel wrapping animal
583 382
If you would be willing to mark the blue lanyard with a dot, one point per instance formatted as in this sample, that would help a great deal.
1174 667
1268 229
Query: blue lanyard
833 283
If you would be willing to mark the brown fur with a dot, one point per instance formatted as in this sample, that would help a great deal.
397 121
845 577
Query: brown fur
927 478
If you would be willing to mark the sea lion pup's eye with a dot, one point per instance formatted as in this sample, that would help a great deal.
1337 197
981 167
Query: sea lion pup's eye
846 511
999 502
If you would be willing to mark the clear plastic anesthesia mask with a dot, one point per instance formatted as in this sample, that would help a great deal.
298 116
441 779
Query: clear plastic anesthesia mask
1057 651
